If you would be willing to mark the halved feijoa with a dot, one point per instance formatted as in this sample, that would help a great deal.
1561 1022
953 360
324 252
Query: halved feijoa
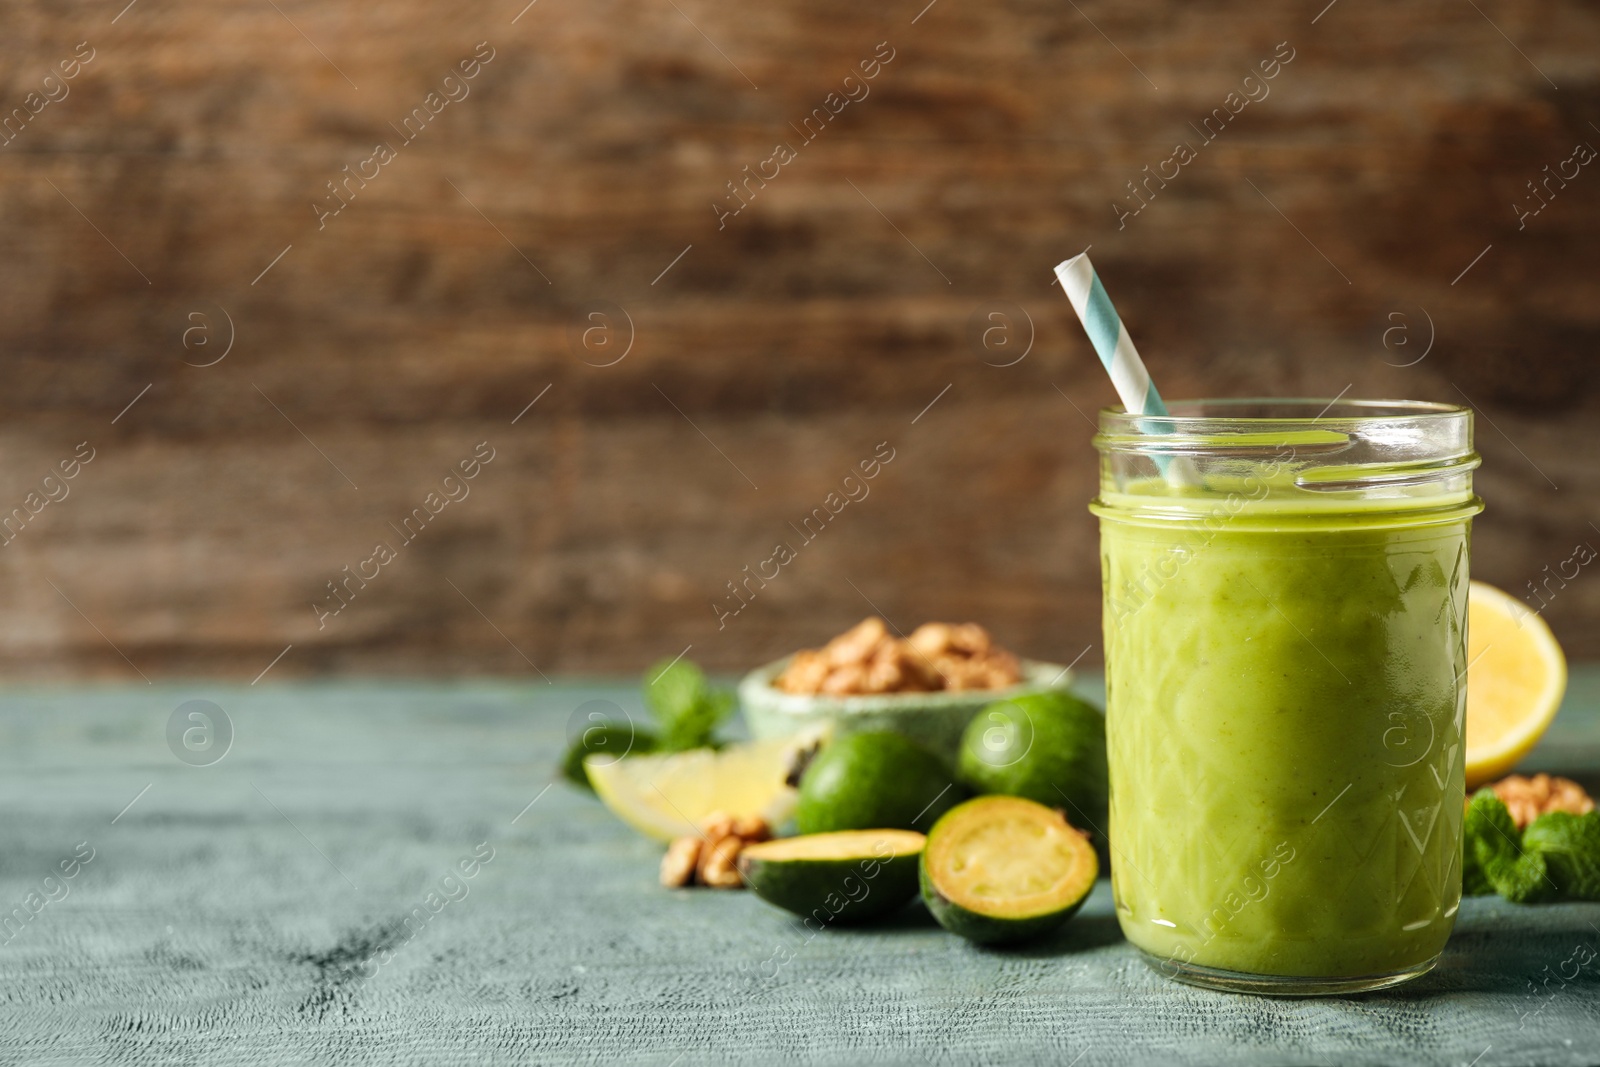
847 876
1004 869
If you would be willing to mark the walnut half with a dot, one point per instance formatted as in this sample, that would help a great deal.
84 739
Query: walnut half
1529 798
868 659
711 858
719 863
678 865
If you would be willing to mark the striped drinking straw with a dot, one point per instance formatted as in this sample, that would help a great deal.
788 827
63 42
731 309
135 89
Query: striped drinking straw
1115 348
1109 337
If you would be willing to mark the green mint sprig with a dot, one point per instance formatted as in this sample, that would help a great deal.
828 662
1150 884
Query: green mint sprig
687 711
687 708
1556 858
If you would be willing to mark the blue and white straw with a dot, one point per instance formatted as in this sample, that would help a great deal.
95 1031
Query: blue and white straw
1109 337
1115 348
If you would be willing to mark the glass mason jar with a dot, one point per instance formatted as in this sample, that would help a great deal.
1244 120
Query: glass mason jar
1285 638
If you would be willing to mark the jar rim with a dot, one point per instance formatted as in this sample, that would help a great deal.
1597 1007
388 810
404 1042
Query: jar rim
1290 454
1260 411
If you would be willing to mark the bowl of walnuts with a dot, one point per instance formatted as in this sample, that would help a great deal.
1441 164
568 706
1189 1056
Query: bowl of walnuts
927 685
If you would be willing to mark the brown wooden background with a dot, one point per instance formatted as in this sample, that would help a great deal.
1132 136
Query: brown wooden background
777 352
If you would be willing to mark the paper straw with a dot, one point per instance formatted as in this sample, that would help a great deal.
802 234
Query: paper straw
1109 337
1115 348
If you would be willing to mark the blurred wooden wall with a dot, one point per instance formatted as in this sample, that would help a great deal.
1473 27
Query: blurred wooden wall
1365 206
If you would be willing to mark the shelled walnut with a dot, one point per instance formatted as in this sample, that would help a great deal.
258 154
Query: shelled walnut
711 858
1529 798
679 864
868 659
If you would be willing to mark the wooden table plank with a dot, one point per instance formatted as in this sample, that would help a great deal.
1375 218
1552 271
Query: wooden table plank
222 914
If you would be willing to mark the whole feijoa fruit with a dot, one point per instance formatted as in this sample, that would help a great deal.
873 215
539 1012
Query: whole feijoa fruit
1047 747
874 781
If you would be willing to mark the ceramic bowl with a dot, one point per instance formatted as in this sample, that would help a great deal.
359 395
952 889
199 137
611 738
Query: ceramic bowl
936 719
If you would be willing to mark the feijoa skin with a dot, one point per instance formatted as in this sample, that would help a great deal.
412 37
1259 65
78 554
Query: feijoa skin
1002 870
851 876
1047 747
874 781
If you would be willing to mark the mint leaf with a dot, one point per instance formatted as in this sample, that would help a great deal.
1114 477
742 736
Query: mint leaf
686 707
610 739
1474 882
1495 853
1570 845
1525 881
1492 839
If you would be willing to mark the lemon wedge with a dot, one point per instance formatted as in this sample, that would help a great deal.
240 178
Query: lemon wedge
667 796
1516 676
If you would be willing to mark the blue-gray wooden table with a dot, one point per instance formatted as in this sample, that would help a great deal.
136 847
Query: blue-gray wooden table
254 910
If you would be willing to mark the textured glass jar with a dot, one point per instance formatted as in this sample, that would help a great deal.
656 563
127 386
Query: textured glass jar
1285 610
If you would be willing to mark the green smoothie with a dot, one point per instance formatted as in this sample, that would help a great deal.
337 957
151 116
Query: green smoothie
1285 698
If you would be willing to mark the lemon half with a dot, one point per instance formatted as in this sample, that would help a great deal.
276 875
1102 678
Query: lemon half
667 796
1516 676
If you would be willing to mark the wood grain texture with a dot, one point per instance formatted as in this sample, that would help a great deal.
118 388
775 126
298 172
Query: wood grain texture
775 354
236 913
